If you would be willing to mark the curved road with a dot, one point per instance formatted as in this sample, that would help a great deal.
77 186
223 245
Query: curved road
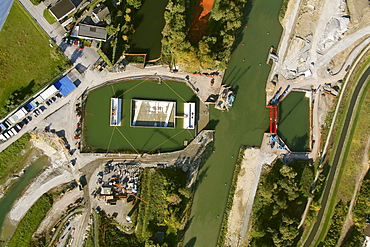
330 179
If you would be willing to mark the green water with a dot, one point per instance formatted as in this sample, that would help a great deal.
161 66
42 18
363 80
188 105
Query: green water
7 201
100 136
244 124
149 23
293 121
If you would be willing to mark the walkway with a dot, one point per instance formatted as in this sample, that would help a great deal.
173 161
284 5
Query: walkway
331 180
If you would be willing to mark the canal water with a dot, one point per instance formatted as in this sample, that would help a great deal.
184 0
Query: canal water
293 121
149 23
244 124
101 137
15 191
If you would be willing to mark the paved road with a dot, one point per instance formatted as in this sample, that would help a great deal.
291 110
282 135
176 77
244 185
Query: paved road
331 181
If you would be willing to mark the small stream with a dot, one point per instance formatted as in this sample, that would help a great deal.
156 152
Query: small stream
15 191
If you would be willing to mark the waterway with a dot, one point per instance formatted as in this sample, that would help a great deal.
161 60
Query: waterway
244 124
15 191
149 23
294 121
101 137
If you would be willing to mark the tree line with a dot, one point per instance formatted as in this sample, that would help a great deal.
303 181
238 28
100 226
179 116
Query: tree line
214 49
279 203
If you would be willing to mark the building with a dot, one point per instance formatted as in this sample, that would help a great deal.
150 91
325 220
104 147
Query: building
153 113
84 31
115 111
189 115
100 13
65 86
62 8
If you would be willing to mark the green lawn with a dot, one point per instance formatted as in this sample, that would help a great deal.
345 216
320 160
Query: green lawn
27 61
28 225
49 17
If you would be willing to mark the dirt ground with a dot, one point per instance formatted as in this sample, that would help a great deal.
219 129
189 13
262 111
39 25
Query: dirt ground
249 175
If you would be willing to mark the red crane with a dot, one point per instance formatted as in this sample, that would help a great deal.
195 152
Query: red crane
119 186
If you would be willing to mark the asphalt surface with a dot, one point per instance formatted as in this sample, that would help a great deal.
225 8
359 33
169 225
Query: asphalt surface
339 150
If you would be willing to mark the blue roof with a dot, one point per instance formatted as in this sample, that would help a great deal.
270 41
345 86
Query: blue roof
65 86
30 106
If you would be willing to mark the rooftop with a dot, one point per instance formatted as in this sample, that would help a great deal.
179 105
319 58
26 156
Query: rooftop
62 9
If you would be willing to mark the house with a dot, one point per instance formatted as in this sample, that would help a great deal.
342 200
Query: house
62 8
84 31
100 13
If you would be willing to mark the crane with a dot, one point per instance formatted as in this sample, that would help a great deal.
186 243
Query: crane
119 186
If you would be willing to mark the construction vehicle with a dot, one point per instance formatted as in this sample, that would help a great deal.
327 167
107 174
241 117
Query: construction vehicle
124 190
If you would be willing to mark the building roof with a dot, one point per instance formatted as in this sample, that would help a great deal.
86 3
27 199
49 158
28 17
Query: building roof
62 8
65 86
49 92
106 191
91 32
100 13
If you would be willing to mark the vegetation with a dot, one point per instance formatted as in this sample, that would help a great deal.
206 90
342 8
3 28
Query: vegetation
279 203
213 49
230 199
360 212
111 235
36 2
339 216
27 61
353 155
49 17
28 225
283 9
165 211
119 30
167 198
11 156
351 167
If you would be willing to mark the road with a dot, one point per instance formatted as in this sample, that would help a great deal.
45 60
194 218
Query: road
331 178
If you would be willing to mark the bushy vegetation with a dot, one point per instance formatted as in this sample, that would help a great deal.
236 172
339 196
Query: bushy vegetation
332 237
27 61
361 211
36 2
167 197
111 235
120 31
214 48
28 225
283 9
11 155
279 203
165 211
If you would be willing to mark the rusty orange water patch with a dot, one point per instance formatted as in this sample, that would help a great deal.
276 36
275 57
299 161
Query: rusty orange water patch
200 19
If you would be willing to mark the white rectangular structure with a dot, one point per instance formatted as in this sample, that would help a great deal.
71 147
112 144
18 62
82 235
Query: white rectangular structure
115 111
153 113
189 115
49 92
18 115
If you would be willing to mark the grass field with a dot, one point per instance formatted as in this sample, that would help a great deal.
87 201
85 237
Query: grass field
10 158
351 164
30 222
27 61
49 17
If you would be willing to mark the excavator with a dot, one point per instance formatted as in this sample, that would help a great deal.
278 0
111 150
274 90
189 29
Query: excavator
119 186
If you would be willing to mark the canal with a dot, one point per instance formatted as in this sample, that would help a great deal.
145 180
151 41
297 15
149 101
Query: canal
149 23
244 124
15 191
